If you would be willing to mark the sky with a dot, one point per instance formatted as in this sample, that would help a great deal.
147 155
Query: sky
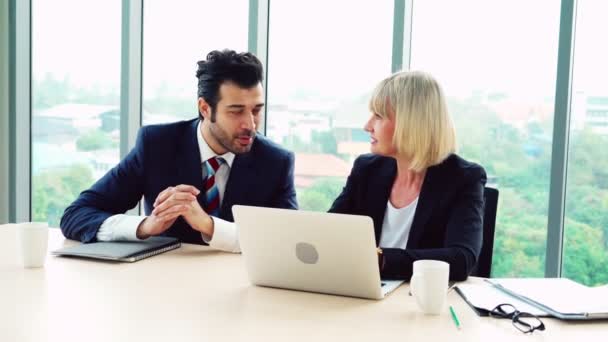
514 43
328 49
78 39
508 46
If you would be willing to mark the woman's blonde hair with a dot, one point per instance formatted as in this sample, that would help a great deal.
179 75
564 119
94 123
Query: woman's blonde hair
424 132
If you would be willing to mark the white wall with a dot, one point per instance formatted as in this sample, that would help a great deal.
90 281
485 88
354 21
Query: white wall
4 95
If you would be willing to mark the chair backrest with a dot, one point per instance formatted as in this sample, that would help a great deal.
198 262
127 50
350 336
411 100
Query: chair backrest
484 264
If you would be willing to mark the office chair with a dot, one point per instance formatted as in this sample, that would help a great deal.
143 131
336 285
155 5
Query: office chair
484 264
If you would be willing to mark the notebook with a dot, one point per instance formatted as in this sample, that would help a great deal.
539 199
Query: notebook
127 251
483 298
560 297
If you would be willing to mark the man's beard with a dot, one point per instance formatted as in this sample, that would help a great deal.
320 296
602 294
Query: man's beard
230 142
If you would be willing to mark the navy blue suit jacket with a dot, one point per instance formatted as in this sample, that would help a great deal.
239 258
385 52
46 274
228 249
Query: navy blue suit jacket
168 155
448 222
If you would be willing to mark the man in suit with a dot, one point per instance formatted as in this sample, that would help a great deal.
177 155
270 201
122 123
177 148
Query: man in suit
191 173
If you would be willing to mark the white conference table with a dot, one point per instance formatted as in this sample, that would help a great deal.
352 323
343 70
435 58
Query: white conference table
195 293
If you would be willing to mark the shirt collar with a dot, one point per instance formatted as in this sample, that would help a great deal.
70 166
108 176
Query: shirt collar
207 152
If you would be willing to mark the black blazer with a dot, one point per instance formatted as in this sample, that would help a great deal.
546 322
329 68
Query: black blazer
448 222
168 155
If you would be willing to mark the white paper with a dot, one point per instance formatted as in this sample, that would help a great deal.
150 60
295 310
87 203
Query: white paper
560 294
485 296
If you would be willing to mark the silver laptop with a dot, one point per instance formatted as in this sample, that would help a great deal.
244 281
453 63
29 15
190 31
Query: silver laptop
311 251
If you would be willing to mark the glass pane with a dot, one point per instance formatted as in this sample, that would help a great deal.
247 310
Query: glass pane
177 34
586 227
496 61
75 100
321 74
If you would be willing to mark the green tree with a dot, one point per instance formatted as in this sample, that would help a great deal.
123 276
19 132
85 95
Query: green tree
589 160
326 141
321 142
50 92
95 140
320 195
54 190
169 102
585 259
313 200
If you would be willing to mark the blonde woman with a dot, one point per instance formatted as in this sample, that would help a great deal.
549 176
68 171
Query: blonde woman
426 202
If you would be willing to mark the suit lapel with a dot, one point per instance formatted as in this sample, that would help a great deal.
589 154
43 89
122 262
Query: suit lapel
379 193
428 198
189 164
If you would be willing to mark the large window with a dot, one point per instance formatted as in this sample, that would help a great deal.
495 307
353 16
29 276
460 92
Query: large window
75 100
177 34
586 225
496 61
325 57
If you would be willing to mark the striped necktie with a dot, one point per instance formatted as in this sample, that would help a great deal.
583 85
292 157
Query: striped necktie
212 195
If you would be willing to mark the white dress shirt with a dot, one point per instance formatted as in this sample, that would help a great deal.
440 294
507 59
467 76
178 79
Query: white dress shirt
225 238
397 225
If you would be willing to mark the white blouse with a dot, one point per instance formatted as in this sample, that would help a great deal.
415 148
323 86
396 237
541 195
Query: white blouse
397 225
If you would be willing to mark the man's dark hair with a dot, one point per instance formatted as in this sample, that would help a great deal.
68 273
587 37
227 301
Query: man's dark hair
244 69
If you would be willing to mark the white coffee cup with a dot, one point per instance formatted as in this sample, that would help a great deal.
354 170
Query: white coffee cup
33 242
429 285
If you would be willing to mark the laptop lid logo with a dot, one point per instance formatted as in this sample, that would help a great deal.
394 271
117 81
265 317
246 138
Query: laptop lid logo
307 253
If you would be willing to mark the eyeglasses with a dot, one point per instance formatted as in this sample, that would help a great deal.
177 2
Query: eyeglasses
524 321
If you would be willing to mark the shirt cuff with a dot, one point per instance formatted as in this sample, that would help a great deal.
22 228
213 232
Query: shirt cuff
225 237
120 227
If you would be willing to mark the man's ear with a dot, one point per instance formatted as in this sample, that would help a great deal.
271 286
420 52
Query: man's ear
204 108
